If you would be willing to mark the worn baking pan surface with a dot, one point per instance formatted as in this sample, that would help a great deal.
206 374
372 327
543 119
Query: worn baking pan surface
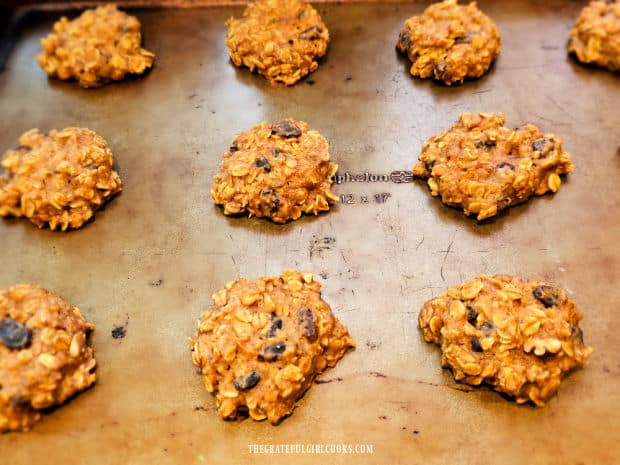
153 257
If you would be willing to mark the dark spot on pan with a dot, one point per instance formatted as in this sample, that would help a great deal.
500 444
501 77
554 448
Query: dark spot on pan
310 82
119 332
157 282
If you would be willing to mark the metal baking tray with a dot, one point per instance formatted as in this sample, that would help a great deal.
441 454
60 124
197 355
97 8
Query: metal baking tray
151 260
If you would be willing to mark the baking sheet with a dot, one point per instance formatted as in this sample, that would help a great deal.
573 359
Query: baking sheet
153 257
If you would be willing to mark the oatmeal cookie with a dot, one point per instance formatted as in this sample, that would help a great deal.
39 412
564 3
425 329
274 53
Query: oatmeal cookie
278 171
264 342
450 42
595 37
515 335
58 179
44 356
485 167
280 39
99 46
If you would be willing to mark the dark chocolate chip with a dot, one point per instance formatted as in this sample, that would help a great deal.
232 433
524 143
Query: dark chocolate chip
276 323
92 166
485 144
505 164
475 345
306 321
263 163
539 145
487 326
291 42
577 332
244 383
286 129
549 296
276 204
233 147
272 352
276 152
504 202
14 335
312 33
23 147
440 68
472 315
462 39
404 40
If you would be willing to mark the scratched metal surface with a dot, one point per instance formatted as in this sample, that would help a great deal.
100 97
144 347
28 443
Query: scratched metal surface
154 256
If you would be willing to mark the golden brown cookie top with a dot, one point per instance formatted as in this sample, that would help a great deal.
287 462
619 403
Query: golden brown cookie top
278 171
262 344
484 167
450 42
58 179
517 335
280 39
44 356
595 36
101 45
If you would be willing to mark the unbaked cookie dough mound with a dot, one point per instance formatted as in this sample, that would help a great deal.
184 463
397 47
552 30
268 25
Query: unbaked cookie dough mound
278 171
595 37
44 355
450 42
99 46
280 39
58 179
263 343
516 335
484 167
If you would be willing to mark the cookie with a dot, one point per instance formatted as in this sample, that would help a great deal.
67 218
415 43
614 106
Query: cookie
263 343
44 355
277 171
58 179
280 39
515 335
99 46
595 37
484 167
450 42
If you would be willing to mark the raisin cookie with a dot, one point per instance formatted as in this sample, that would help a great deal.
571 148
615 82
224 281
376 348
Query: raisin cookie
99 46
515 335
484 167
595 37
278 171
261 346
58 179
450 42
44 356
280 39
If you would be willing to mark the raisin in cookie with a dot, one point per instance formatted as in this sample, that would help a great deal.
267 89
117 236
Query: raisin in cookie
264 342
278 171
515 335
450 42
484 167
58 179
99 46
44 356
595 37
280 39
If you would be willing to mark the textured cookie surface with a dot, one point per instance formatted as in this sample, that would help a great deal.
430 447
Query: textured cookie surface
595 37
515 335
58 179
99 46
450 42
263 343
484 167
280 39
44 356
278 171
